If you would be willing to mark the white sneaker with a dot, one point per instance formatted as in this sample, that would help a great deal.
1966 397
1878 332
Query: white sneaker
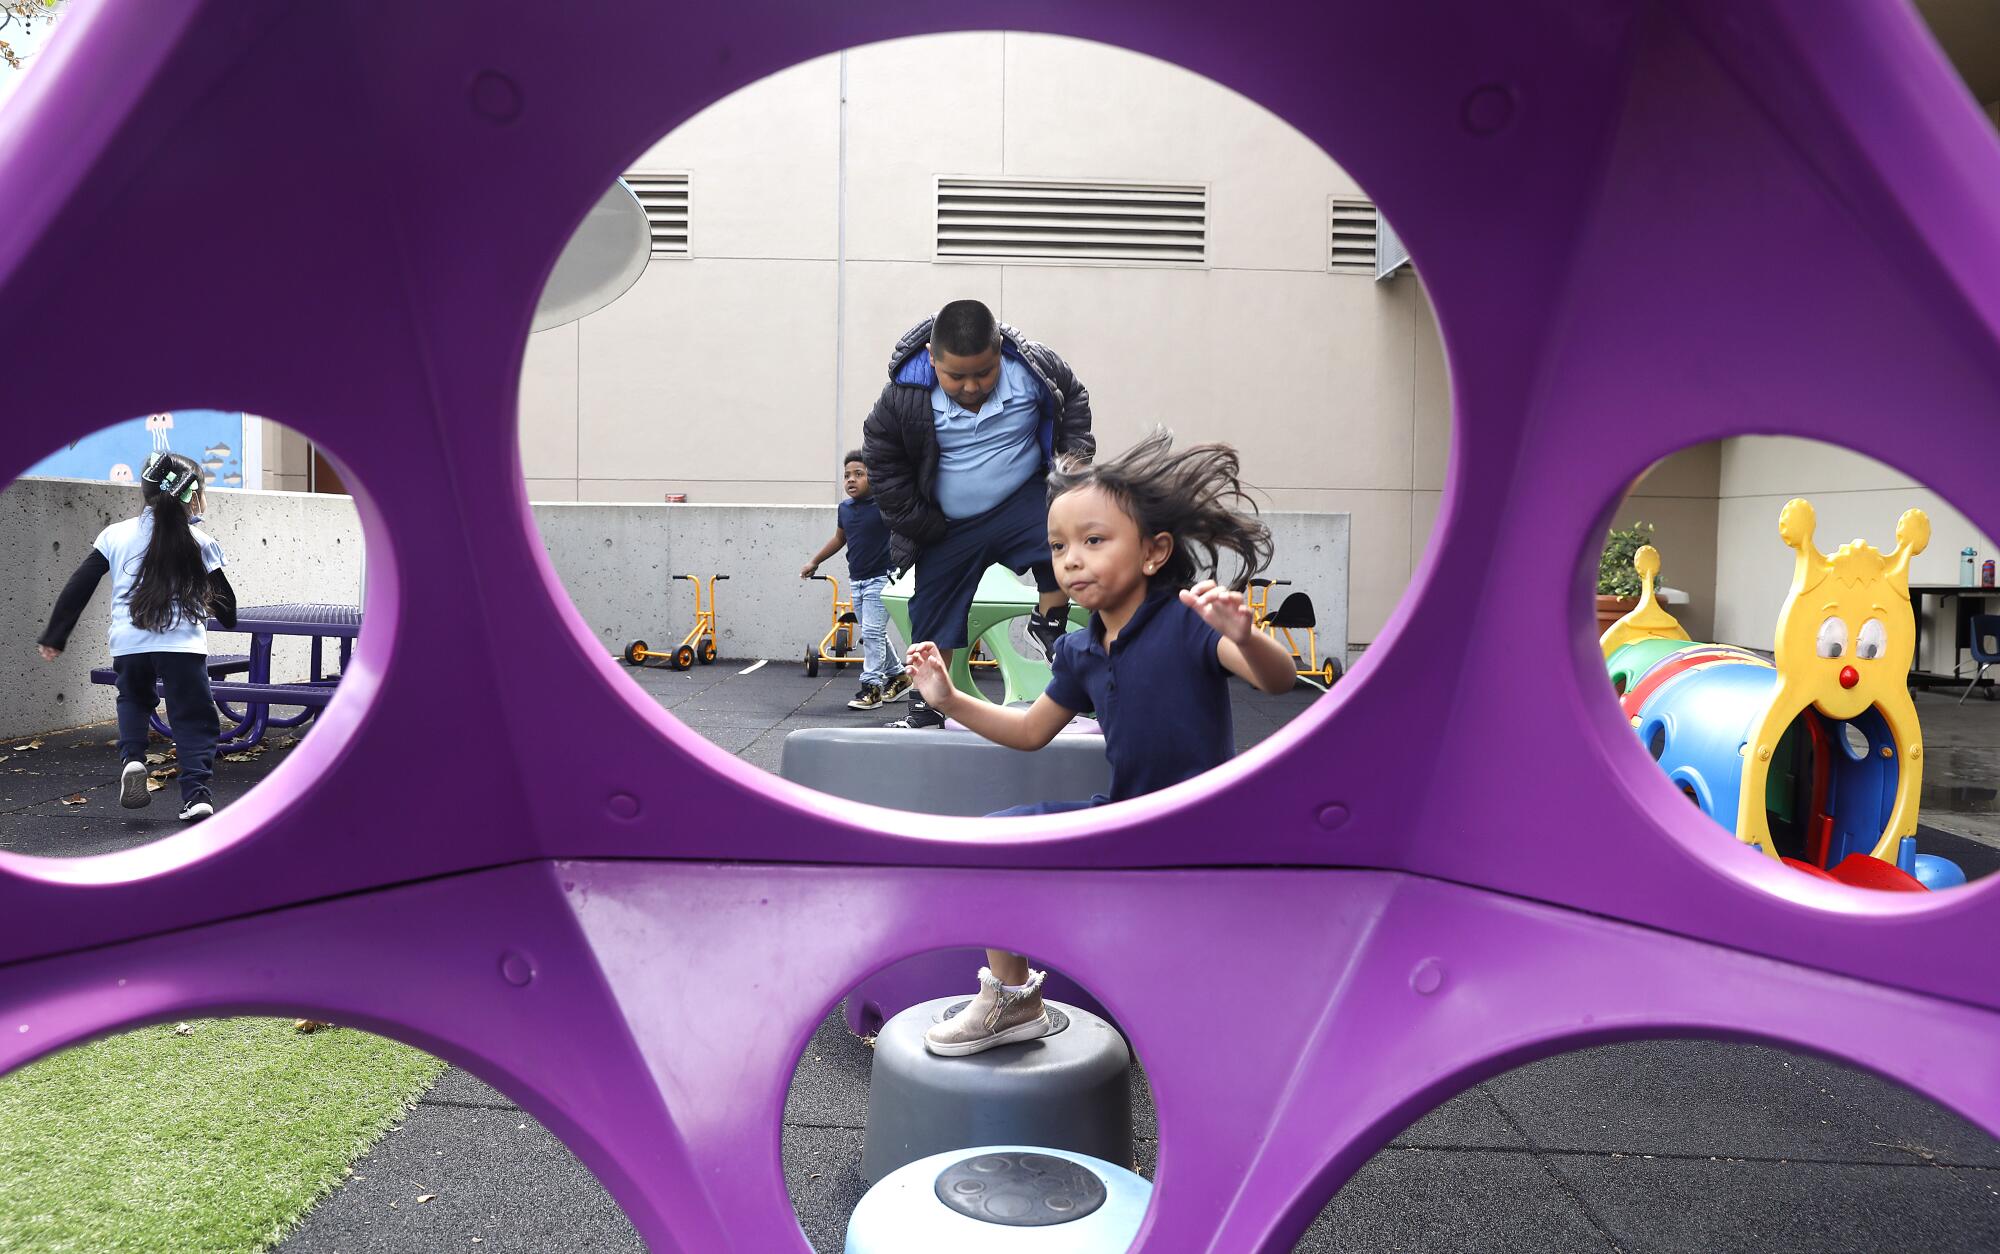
198 809
997 1016
132 793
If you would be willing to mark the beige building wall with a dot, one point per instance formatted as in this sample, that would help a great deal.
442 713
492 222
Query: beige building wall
741 373
287 458
1678 496
1853 497
1716 509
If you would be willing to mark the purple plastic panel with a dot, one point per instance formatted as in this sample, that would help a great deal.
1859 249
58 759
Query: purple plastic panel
1643 224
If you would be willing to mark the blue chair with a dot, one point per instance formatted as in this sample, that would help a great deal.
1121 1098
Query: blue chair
1985 646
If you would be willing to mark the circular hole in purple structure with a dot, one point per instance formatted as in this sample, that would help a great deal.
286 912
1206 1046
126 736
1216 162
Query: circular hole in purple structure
1806 639
208 566
868 1094
1664 1138
683 443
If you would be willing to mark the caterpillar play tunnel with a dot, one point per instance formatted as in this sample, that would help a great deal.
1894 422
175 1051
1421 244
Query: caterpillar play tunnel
1815 755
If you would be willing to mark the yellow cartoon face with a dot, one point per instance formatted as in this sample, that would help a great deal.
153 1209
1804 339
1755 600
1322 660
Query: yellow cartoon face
1846 636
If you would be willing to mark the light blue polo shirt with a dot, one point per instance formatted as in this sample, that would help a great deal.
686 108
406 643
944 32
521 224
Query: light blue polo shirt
983 457
123 545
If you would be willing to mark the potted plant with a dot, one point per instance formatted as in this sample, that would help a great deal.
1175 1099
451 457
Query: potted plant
1618 583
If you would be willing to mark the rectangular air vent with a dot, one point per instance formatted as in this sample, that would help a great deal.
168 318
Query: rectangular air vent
1351 235
665 197
1039 220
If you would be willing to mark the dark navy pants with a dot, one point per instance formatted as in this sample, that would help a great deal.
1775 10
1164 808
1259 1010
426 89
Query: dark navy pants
1014 534
190 711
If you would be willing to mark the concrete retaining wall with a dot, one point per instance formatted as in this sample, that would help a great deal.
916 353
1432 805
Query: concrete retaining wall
615 561
277 546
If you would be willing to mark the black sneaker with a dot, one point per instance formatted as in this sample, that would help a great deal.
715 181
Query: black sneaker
197 807
868 698
132 792
1047 628
921 715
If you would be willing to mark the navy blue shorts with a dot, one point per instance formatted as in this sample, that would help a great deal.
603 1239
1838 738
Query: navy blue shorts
1014 534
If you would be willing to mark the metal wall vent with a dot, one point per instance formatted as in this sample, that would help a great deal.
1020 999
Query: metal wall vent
1039 220
1351 236
665 197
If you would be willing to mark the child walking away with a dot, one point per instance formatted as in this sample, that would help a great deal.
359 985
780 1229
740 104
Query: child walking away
166 579
866 537
1127 537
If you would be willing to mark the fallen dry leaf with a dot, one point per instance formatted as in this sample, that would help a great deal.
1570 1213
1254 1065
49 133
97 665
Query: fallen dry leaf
3 757
154 759
75 799
154 785
165 772
425 1197
32 744
184 1029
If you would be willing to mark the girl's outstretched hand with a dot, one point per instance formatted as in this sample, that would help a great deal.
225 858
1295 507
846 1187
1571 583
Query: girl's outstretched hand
1220 608
929 673
48 654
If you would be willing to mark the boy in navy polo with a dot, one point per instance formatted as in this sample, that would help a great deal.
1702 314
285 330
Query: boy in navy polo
866 538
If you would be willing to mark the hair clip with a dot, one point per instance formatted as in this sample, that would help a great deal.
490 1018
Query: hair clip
177 483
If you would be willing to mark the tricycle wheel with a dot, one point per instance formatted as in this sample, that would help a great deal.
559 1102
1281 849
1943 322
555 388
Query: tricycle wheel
635 653
1329 672
812 661
683 657
842 641
708 651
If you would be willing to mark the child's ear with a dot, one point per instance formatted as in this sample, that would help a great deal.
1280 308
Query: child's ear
1159 547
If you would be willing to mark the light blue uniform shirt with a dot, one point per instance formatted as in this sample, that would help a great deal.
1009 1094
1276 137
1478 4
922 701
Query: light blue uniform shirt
983 457
124 547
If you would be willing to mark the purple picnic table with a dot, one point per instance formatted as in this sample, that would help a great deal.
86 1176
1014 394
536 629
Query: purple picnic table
263 623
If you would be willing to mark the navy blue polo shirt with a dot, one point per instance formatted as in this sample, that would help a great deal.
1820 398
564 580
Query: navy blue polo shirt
867 538
1161 694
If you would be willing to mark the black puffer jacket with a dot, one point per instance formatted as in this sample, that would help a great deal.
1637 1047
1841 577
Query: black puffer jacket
900 437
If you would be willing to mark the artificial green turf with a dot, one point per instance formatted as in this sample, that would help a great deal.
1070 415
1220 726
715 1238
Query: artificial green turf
216 1140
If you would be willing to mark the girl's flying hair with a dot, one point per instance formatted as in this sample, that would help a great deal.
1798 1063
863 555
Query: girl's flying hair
1192 495
172 585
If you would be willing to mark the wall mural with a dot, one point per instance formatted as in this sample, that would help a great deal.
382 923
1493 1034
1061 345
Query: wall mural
215 438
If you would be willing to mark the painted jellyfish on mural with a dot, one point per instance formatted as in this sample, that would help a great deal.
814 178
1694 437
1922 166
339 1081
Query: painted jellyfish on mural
119 473
159 425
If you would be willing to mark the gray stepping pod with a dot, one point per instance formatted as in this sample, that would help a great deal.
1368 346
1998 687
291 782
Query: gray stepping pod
958 772
1069 1091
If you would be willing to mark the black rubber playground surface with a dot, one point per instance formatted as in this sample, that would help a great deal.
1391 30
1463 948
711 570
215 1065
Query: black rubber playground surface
1647 1146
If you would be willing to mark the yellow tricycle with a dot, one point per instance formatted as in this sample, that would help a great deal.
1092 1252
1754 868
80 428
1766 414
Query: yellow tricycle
697 645
833 648
1294 614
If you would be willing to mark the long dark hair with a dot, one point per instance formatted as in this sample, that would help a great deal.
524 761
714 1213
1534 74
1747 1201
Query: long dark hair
173 580
1195 495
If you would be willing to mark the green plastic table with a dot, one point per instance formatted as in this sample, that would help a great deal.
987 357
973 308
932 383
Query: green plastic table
1001 598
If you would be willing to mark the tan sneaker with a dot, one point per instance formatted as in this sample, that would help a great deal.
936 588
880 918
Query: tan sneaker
995 1017
897 688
